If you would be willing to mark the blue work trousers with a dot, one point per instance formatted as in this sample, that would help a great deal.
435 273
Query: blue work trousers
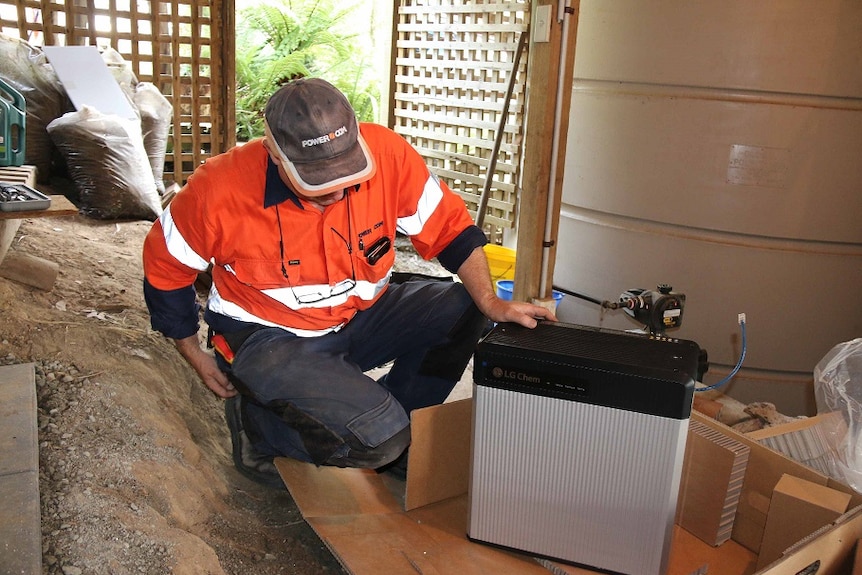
308 397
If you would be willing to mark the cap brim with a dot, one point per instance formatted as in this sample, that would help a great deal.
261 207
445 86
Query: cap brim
326 176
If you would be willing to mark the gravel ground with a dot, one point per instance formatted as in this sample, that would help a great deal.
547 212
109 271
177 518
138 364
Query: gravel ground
71 418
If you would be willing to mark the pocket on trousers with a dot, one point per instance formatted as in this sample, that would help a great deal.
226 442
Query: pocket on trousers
377 425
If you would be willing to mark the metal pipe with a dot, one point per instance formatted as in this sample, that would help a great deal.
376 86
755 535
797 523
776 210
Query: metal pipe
498 140
546 287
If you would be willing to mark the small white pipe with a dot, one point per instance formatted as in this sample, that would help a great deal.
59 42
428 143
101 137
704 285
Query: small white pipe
545 290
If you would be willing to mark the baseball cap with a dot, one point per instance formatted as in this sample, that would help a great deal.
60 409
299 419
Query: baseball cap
317 136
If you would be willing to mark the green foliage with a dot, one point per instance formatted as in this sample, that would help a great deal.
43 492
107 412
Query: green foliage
284 40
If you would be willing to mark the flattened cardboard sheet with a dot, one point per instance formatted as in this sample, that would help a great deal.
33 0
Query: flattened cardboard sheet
363 525
327 491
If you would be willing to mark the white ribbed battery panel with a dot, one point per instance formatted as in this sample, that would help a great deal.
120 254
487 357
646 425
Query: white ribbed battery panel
584 483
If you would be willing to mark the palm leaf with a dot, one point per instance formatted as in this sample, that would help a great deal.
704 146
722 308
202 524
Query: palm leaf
287 39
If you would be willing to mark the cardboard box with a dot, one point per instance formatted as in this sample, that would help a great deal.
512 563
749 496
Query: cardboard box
372 525
797 509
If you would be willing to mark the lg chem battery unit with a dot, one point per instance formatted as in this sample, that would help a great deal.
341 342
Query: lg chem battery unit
578 442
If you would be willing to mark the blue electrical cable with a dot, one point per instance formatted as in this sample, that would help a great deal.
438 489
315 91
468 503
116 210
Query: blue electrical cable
738 364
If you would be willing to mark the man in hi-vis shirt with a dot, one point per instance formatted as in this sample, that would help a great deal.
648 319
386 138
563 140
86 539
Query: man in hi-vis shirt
299 228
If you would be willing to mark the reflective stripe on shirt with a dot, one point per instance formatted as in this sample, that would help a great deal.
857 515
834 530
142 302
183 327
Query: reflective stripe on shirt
177 245
288 297
432 195
218 305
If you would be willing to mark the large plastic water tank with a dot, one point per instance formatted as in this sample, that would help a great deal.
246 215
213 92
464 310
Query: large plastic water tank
717 147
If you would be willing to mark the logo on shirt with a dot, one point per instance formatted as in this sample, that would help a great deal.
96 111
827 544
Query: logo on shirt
311 142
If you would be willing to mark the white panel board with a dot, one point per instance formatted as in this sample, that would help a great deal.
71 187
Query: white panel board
87 80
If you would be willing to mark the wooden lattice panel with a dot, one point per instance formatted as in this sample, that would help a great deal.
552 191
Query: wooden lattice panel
184 47
454 60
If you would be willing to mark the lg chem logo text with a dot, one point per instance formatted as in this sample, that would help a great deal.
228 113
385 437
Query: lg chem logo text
512 375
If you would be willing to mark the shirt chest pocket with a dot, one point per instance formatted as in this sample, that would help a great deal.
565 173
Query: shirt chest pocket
376 257
265 274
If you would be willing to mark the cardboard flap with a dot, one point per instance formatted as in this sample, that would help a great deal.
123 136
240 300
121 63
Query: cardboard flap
813 494
830 550
798 508
439 463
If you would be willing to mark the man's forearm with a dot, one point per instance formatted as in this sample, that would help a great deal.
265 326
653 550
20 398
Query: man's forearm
188 347
476 277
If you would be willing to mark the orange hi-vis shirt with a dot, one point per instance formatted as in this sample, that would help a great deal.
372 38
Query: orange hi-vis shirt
278 261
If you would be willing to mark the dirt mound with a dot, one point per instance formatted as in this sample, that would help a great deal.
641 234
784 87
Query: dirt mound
135 470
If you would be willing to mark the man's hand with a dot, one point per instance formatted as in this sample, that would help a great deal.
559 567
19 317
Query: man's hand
205 365
526 314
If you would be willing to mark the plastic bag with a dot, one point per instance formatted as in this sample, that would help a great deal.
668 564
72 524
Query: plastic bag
838 389
106 158
156 112
120 70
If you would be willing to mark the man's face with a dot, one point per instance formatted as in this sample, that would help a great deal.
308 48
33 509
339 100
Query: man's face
321 201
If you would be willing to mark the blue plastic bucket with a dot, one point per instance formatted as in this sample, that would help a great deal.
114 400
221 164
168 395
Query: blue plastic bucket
505 289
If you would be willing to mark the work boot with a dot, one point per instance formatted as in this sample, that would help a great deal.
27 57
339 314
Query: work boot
397 468
247 460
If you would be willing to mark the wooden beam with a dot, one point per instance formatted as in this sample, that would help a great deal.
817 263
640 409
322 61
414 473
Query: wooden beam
546 70
224 74
60 206
19 267
30 270
8 229
389 104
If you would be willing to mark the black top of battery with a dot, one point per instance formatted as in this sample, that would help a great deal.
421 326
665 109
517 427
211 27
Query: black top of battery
625 370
